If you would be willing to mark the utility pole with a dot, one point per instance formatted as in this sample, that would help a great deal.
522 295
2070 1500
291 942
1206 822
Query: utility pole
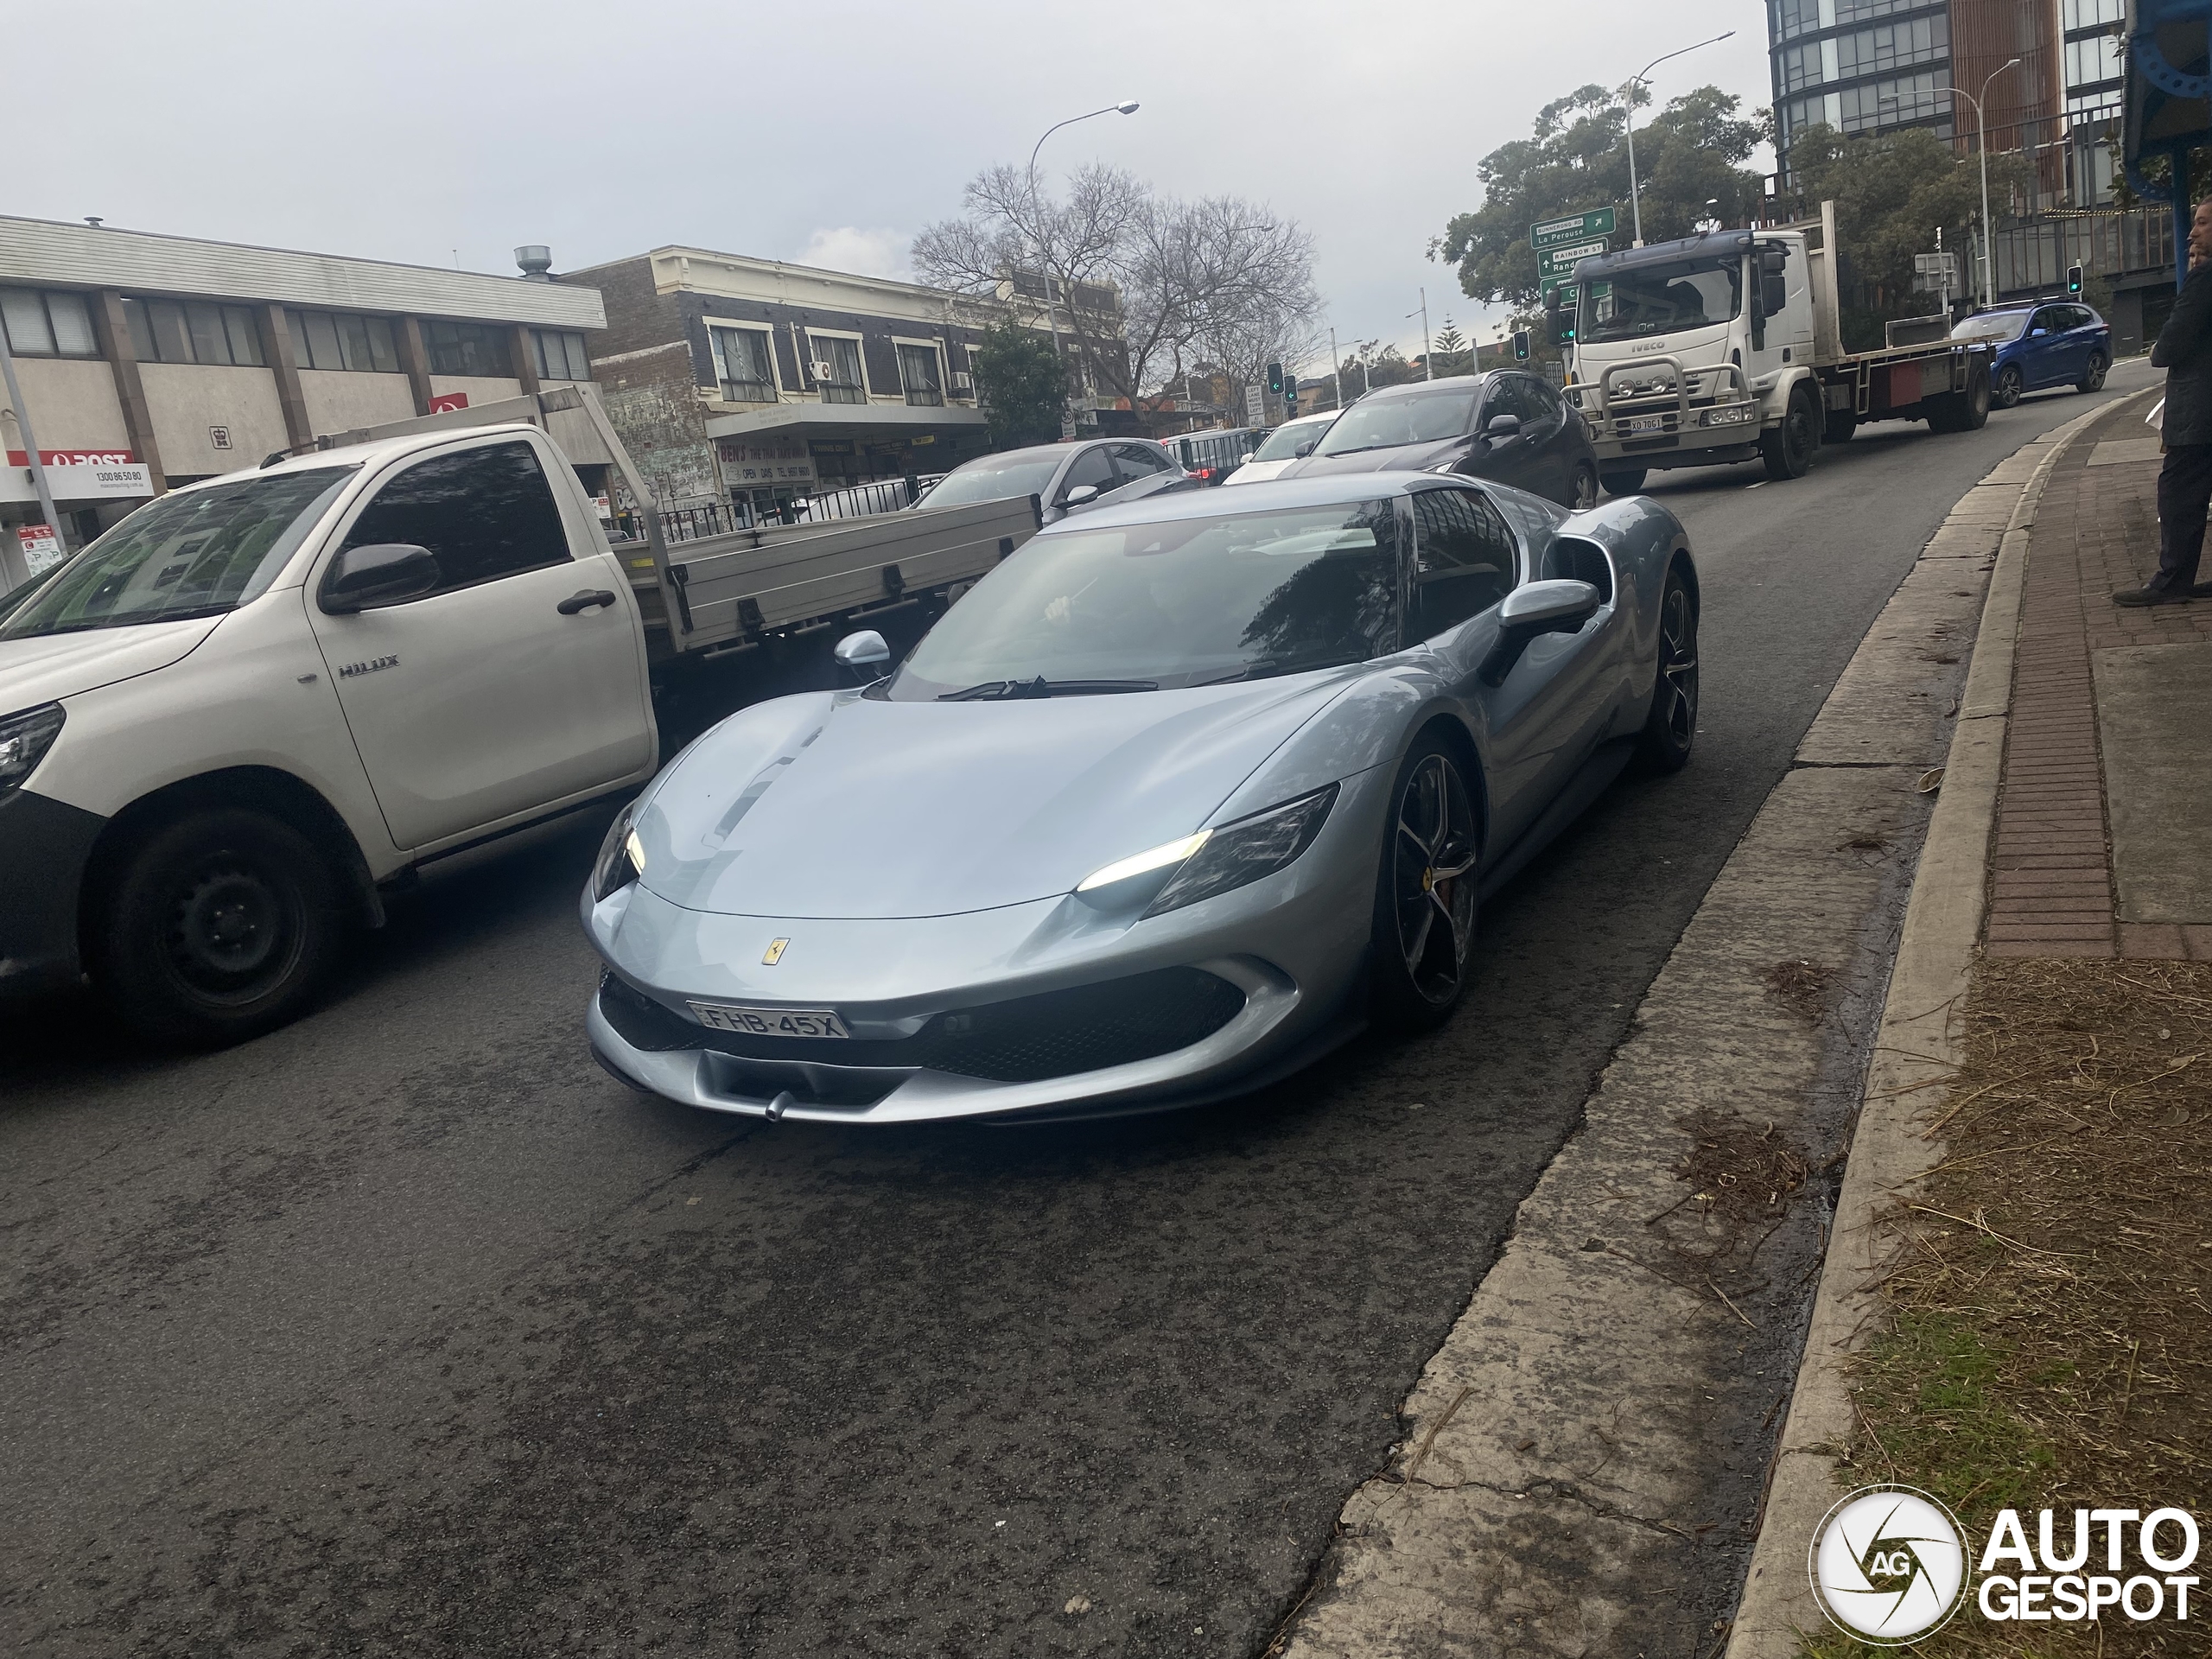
1427 353
15 569
1335 372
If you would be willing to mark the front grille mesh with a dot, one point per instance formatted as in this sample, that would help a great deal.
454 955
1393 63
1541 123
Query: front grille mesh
1027 1039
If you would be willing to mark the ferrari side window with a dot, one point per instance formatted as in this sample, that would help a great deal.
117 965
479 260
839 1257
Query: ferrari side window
1464 559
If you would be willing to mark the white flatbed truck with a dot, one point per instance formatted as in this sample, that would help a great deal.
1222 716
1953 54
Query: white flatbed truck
1727 347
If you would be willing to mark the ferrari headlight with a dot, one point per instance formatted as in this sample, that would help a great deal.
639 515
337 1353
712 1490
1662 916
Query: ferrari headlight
621 857
1179 872
24 739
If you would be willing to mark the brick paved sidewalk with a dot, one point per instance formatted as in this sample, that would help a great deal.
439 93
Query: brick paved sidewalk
2096 530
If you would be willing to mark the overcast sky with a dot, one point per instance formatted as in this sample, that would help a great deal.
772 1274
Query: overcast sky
826 131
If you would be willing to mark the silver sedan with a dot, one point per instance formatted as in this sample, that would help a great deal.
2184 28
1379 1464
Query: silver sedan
1178 797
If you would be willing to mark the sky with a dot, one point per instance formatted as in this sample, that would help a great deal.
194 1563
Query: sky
826 132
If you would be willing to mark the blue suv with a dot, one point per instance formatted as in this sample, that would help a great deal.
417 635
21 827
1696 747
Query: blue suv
2052 343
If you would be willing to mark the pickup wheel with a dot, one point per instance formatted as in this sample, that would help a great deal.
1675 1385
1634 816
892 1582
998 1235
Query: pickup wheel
218 926
1787 450
1623 480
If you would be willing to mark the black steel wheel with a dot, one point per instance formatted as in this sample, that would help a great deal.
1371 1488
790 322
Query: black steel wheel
1425 902
218 926
2004 391
1670 729
1787 450
2093 373
1584 495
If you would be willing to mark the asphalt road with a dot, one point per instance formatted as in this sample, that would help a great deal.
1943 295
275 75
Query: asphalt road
405 1328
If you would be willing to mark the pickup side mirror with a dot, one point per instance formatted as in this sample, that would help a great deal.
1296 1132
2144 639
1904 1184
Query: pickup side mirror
1081 496
862 655
1499 428
383 573
1537 607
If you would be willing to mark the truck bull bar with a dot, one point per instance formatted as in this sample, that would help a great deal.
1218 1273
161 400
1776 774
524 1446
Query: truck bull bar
1732 390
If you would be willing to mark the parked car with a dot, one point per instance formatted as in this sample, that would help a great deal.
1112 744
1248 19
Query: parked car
1284 445
1216 456
1502 425
1180 795
1065 477
2053 343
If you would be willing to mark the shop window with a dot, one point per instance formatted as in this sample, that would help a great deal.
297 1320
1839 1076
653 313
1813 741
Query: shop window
192 330
560 354
839 369
327 340
742 367
46 324
473 348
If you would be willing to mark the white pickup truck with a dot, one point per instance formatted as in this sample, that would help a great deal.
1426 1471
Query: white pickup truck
235 722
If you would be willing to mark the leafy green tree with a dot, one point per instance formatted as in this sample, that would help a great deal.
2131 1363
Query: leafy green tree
1021 384
1892 191
1691 153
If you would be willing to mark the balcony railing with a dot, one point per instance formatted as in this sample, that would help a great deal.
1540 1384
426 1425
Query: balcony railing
925 397
749 391
837 394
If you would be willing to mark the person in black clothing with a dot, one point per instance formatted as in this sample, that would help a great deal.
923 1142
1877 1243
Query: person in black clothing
2185 352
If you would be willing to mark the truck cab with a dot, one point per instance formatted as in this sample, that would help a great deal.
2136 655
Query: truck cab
234 720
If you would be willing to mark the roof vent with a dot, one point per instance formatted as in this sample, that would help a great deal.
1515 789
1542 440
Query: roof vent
92 220
536 260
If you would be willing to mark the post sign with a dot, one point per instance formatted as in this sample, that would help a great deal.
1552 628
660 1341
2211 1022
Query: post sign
1596 223
78 475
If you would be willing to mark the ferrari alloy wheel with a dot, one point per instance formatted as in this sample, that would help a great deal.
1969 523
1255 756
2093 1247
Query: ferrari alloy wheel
218 926
2006 392
1670 729
1586 489
2093 375
1424 910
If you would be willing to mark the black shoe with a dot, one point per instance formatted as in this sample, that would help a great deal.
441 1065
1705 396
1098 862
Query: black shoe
2160 595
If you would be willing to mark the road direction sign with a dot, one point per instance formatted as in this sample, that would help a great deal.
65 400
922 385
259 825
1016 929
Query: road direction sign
1256 406
1554 263
1575 227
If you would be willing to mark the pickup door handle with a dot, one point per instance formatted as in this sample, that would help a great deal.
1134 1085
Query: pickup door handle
583 601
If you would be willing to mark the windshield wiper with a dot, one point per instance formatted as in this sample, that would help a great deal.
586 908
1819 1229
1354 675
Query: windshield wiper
1272 668
1009 690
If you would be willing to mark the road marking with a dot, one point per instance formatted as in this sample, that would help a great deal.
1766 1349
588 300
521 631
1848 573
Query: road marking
1761 485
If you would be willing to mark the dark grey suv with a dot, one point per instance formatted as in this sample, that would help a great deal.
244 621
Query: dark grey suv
1505 425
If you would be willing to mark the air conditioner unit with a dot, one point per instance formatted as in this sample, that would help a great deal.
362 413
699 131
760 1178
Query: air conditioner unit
823 371
963 382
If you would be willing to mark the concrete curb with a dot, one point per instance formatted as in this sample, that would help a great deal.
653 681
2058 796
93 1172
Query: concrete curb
1916 1049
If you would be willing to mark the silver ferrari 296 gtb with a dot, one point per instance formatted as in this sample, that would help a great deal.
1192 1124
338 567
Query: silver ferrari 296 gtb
1178 797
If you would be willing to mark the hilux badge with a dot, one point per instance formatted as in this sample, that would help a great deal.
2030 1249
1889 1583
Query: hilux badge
774 953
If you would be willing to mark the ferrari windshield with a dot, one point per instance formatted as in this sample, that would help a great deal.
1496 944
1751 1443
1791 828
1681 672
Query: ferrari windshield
1191 601
195 553
998 478
1661 299
1992 325
1399 418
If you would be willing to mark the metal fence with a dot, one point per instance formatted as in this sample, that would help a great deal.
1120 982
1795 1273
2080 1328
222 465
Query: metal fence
689 521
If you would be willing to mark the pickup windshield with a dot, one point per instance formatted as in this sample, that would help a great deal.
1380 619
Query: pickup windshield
1191 601
1392 419
196 553
1661 299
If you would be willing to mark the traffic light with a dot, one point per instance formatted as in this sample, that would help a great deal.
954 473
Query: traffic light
1289 396
1520 345
2073 279
1274 379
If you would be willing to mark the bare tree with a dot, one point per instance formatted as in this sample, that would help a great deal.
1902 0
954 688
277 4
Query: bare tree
1220 277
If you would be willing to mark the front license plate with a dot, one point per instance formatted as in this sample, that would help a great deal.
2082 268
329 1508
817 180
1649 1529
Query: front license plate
1637 424
771 1022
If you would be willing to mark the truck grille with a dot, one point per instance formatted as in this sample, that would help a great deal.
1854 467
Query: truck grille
1027 1039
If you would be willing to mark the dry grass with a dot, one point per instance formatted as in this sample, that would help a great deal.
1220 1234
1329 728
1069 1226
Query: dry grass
2052 1341
1801 987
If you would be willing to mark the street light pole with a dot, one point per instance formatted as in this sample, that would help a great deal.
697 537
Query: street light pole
1127 106
15 568
1981 144
1635 206
1428 352
1335 372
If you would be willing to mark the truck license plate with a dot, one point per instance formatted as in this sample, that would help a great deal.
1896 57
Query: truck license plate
1638 424
769 1022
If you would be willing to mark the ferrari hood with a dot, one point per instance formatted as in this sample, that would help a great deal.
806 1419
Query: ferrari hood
56 665
836 806
1395 458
